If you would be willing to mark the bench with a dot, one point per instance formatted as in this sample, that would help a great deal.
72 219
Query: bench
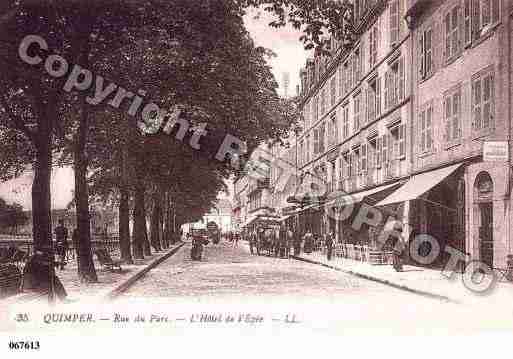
106 261
10 280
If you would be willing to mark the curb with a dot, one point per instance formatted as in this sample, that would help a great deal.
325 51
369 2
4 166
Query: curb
382 281
121 288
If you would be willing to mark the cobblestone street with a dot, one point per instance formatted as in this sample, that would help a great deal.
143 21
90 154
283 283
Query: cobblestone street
231 279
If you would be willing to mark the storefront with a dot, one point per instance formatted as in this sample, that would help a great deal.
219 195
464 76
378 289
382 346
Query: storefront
464 206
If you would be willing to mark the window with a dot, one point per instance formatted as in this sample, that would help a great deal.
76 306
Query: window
372 153
483 100
356 67
379 150
345 122
373 45
363 158
426 53
322 137
402 141
394 22
394 84
356 113
308 144
316 141
384 149
342 170
426 129
341 81
316 109
485 13
332 130
467 21
333 89
354 163
452 110
452 40
323 101
374 99
349 76
302 152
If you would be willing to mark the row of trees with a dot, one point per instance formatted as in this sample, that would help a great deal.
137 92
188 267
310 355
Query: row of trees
195 54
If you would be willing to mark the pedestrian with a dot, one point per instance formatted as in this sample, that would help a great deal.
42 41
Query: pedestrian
61 237
297 244
252 239
330 236
236 238
308 238
290 242
75 242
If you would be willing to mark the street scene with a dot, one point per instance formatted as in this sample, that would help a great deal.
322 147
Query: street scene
339 166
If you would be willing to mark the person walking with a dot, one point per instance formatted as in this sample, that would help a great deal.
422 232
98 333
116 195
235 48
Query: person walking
297 243
330 236
308 238
61 237
289 243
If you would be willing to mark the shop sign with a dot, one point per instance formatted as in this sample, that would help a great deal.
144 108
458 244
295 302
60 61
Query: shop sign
495 151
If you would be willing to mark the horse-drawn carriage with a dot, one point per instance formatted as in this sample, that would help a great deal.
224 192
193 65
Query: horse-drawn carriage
270 242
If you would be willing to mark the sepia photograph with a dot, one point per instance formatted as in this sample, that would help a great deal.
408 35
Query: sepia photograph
243 168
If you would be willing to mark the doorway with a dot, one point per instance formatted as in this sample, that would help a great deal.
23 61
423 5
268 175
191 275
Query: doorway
484 207
486 233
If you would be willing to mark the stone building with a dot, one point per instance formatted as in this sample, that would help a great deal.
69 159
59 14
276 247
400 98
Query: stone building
356 106
461 84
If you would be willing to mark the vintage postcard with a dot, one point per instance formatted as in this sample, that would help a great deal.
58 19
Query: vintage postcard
255 166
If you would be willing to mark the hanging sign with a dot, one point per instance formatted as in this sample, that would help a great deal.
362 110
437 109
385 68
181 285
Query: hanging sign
495 151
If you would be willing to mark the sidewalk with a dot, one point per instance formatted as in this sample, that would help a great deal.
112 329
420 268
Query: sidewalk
110 283
423 281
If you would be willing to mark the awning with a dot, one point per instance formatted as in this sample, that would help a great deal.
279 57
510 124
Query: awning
419 184
360 196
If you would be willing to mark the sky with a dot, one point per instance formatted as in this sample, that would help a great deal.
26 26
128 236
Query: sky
290 58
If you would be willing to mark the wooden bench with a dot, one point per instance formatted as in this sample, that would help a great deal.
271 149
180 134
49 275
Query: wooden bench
106 261
10 280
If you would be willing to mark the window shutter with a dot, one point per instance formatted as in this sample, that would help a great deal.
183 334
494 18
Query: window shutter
447 118
429 128
402 145
456 105
362 57
363 167
422 56
476 101
495 10
387 89
467 21
385 149
401 79
378 96
379 149
475 19
447 37
394 23
422 131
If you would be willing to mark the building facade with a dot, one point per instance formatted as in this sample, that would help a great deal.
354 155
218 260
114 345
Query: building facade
356 112
462 63
401 117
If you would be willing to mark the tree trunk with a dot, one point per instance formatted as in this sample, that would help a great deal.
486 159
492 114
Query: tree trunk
41 192
124 227
155 224
124 212
86 270
147 247
139 221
